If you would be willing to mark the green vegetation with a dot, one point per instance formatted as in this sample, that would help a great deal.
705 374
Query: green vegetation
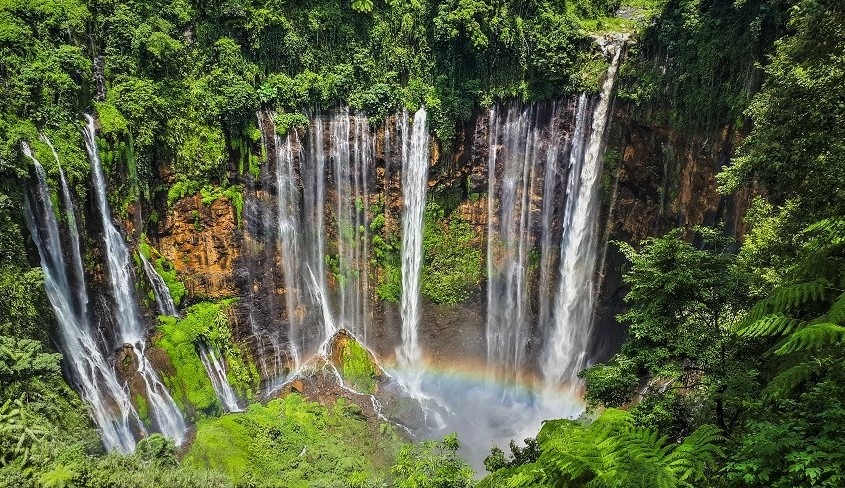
387 259
699 61
294 442
189 383
610 451
432 465
357 366
452 256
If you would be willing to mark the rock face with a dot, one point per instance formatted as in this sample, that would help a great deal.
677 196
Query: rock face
654 179
203 242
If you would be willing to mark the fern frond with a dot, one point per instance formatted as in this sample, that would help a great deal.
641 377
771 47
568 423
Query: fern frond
836 314
775 324
812 337
783 300
790 379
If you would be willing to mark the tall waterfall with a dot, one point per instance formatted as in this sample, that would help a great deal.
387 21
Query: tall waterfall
131 331
95 378
415 159
352 155
566 344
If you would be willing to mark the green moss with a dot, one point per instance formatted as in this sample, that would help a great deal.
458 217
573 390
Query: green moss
207 323
452 257
387 261
112 122
142 408
357 367
295 443
210 194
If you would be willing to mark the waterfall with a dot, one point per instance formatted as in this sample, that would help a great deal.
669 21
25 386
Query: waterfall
288 212
415 158
111 408
73 233
219 380
214 368
131 331
313 170
512 182
164 301
566 345
351 152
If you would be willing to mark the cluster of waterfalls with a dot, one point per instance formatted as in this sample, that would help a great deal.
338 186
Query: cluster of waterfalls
307 235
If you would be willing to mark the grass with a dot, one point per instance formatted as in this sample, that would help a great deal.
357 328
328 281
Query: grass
295 443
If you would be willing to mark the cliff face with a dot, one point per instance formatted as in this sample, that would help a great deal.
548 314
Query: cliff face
654 179
203 241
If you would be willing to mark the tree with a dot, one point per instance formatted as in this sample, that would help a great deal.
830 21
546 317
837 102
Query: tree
683 301
432 465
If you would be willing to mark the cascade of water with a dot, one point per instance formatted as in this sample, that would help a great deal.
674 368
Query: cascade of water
165 413
217 373
287 201
566 344
111 409
512 182
313 170
351 153
73 234
414 185
261 224
214 368
164 301
552 176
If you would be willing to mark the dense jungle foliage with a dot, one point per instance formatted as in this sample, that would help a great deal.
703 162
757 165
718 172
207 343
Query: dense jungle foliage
733 373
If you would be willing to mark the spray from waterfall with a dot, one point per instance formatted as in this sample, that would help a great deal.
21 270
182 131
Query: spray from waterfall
415 156
566 345
131 331
94 377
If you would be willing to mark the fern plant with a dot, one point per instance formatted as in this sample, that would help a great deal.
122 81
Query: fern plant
804 319
613 452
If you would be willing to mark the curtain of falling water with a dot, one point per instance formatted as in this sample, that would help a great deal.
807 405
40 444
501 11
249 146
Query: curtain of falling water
111 409
165 413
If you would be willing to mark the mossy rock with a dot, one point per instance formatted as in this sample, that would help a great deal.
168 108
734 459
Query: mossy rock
356 363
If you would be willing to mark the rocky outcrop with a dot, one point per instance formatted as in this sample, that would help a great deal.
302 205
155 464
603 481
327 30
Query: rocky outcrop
202 241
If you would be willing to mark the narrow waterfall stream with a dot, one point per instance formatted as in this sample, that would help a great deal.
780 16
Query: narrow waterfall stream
415 160
219 380
215 368
131 331
512 182
351 154
164 301
93 375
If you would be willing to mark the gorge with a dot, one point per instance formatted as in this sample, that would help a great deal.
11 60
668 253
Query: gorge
366 244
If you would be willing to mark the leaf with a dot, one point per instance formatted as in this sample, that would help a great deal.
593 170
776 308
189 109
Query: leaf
813 337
